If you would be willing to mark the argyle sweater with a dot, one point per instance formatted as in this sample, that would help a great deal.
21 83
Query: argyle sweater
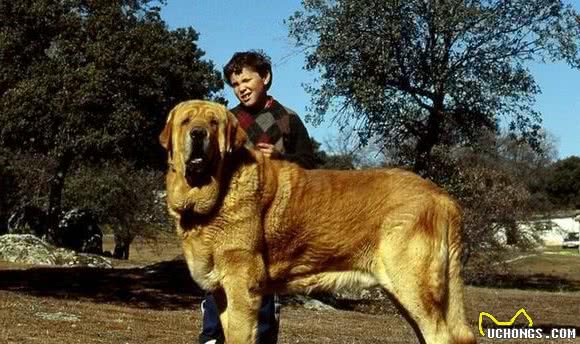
280 126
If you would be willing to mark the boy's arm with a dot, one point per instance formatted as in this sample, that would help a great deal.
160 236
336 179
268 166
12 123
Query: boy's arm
298 146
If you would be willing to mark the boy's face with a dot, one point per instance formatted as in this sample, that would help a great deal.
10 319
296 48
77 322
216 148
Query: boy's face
250 88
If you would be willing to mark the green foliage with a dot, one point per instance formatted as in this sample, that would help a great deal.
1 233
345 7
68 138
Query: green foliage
529 166
563 183
94 77
122 196
426 73
24 179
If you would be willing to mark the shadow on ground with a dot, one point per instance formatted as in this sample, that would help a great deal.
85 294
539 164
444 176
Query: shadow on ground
165 285
543 282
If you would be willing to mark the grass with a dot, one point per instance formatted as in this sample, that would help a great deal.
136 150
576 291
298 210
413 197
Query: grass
557 262
553 269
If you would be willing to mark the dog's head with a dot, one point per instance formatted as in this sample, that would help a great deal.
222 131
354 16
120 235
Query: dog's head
198 135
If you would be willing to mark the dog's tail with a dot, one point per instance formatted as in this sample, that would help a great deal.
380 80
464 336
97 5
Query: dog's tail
455 312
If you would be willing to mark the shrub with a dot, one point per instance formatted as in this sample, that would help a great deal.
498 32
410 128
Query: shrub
494 203
126 198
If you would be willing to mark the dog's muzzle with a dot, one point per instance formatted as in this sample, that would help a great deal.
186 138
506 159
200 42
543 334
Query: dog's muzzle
198 158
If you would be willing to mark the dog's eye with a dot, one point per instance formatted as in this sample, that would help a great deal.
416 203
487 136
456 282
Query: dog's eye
185 121
213 122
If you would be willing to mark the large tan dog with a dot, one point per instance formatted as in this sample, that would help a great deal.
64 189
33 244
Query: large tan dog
251 225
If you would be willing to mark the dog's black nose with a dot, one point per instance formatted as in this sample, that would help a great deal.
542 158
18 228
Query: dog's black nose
197 134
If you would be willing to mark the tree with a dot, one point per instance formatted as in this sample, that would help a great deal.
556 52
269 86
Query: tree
345 152
130 201
563 183
334 161
529 166
87 79
431 72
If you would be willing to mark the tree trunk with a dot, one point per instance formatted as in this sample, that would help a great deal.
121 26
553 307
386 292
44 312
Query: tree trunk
428 141
64 161
123 238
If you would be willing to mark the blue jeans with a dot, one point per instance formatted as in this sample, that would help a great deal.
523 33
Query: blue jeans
268 321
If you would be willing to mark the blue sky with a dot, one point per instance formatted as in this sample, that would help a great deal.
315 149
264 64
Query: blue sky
229 26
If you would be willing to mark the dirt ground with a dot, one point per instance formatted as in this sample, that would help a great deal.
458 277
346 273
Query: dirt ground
151 299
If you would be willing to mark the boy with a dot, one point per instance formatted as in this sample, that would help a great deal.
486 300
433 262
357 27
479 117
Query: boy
280 134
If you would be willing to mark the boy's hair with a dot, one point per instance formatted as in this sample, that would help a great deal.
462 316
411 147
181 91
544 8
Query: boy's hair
255 59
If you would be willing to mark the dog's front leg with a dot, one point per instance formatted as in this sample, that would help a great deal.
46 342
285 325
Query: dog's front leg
242 297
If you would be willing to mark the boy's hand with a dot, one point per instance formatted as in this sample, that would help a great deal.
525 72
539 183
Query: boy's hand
269 150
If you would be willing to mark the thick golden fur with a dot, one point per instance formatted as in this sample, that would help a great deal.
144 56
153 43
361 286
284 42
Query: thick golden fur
251 225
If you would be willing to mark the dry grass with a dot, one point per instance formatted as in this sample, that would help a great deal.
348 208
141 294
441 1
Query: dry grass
150 299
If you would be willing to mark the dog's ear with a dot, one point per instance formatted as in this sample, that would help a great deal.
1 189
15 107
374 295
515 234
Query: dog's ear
235 136
165 136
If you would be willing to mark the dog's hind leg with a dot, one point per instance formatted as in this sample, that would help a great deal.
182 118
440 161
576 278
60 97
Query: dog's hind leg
455 316
427 321
425 316
419 266
414 273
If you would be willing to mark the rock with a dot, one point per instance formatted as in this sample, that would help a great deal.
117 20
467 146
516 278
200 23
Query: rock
375 293
29 249
58 316
78 230
28 219
308 302
316 305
